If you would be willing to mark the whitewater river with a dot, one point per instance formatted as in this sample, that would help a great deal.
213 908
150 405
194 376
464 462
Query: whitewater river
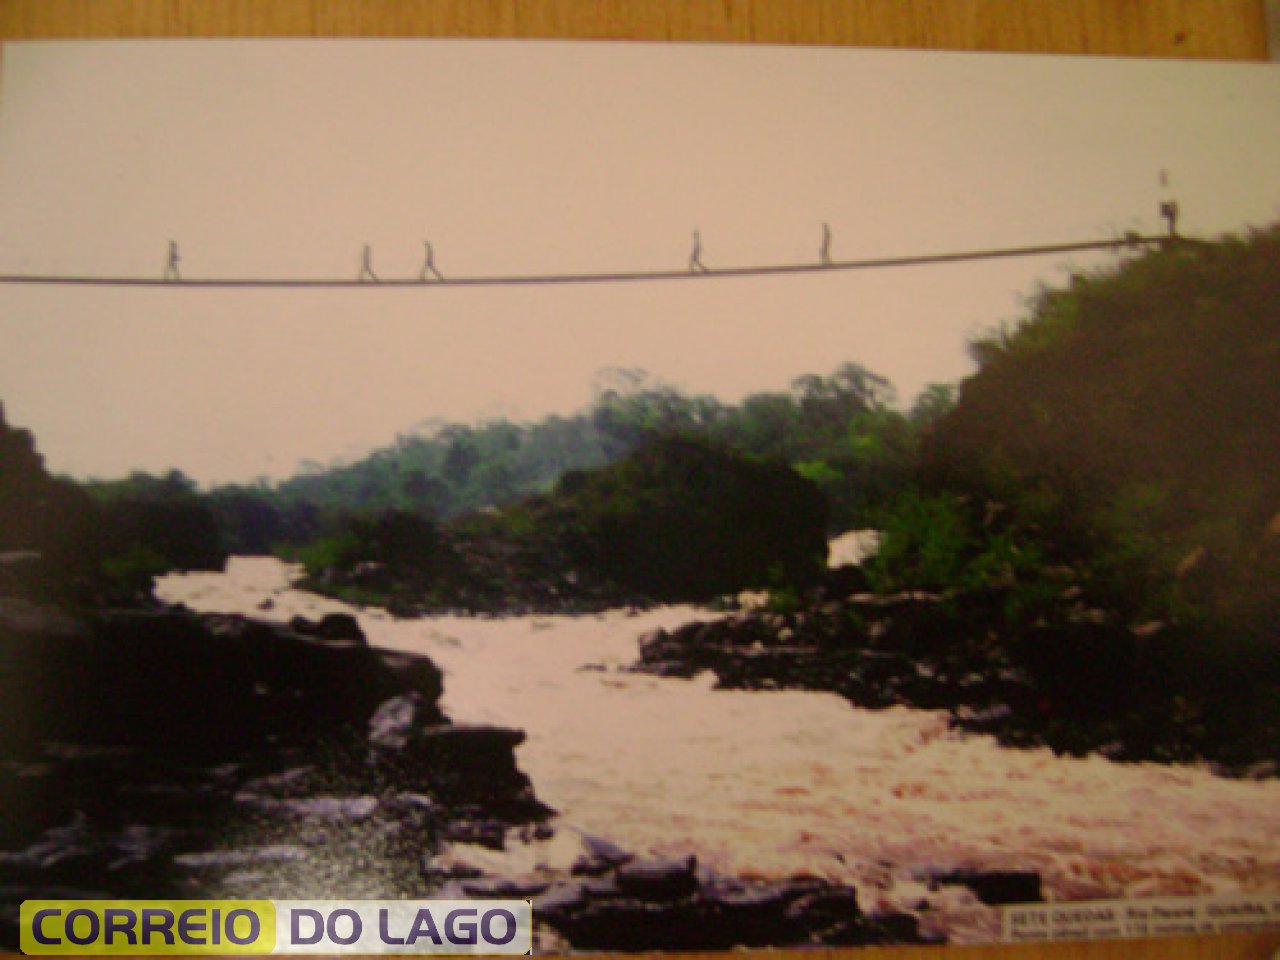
772 784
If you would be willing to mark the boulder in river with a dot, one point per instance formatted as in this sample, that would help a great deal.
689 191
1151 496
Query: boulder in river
667 904
658 879
995 887
332 626
466 765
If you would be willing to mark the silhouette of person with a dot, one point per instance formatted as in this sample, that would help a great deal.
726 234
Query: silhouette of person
429 265
366 265
171 267
1169 210
695 258
825 253
1168 206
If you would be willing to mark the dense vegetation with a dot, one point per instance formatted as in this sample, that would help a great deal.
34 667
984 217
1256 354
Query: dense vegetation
456 469
684 519
86 542
680 518
841 431
146 526
1129 426
42 520
1133 420
1112 474
649 493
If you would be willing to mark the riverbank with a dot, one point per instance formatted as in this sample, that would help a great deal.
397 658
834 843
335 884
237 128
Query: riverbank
767 786
954 653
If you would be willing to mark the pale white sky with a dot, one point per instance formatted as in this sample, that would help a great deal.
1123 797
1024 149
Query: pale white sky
282 159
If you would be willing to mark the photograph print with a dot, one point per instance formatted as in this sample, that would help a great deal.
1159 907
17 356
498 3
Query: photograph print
731 497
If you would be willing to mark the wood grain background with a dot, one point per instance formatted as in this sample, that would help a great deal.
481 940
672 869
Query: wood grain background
1216 29
1204 29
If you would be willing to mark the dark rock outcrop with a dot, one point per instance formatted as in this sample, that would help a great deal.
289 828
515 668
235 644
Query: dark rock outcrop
657 880
671 905
995 887
1080 684
332 626
167 680
876 651
153 752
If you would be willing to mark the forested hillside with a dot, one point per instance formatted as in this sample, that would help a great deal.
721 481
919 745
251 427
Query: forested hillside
457 514
650 494
1110 480
840 430
1132 422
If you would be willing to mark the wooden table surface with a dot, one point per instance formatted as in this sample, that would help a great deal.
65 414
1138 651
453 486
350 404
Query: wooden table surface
1214 29
1201 29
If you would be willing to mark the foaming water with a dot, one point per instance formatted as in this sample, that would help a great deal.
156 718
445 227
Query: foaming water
772 784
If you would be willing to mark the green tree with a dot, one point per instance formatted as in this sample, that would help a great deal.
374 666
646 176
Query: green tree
1134 418
684 519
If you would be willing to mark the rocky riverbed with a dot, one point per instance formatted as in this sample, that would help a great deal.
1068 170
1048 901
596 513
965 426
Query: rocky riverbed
161 753
933 652
779 794
247 739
